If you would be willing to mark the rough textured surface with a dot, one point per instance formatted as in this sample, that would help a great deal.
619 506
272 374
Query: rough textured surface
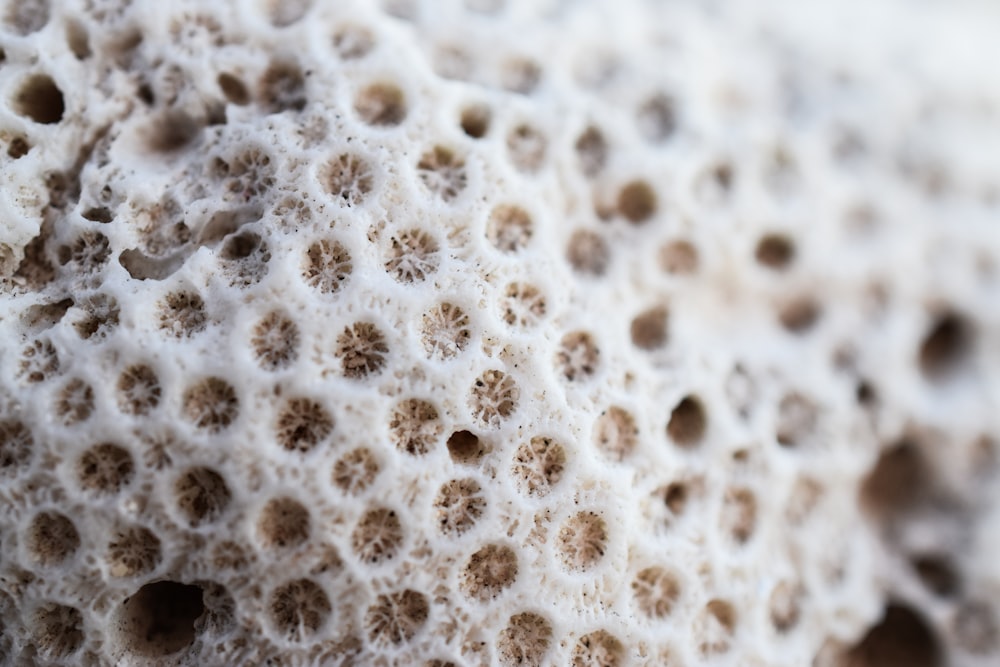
485 332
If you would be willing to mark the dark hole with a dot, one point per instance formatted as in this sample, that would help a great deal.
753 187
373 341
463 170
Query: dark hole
676 497
145 93
865 393
896 481
464 447
239 246
775 251
945 347
687 422
98 214
233 89
799 316
40 100
901 639
159 619
476 121
171 131
936 573
18 147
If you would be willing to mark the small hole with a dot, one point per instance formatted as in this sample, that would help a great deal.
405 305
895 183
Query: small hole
475 121
897 480
775 251
679 257
945 347
40 100
99 214
381 104
159 619
649 329
937 574
465 447
902 637
18 147
688 422
800 315
233 89
637 202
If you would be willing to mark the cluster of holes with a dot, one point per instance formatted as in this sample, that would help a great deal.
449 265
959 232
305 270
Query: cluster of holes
182 314
349 178
414 426
588 253
138 390
413 255
327 266
615 433
494 397
443 173
577 356
134 550
160 618
201 495
40 99
688 422
526 146
57 630
395 618
302 424
649 329
361 349
381 104
522 305
458 505
655 591
16 447
538 466
598 649
355 471
51 538
739 514
377 536
38 362
105 468
525 642
247 177
445 331
275 341
211 404
488 572
75 402
86 254
298 609
509 228
100 316
283 523
582 541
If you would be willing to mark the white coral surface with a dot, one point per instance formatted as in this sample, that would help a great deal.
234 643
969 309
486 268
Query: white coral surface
494 332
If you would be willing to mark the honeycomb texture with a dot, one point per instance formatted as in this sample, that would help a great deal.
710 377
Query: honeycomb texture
499 332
